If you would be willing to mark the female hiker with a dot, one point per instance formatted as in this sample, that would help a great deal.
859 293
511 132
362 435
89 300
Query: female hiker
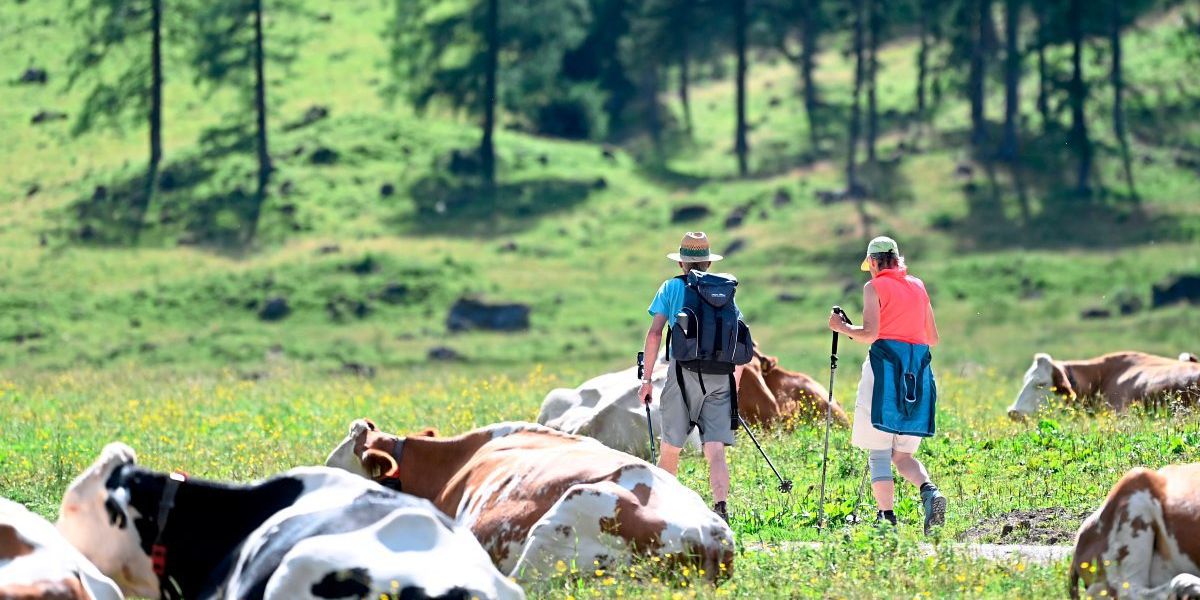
890 419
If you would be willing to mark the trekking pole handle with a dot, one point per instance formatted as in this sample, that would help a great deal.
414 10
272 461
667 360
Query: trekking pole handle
837 310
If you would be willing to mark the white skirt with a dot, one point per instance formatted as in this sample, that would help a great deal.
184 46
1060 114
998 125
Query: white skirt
864 435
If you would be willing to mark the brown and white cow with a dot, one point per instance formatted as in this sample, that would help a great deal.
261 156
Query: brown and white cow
769 394
1120 378
38 563
534 497
1144 541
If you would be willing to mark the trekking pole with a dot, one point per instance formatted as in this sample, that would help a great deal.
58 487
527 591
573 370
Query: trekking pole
785 485
833 365
641 364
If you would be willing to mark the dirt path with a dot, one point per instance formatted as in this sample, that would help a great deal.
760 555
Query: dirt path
1033 553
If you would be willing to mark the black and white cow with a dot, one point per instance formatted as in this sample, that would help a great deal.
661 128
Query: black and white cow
36 563
309 533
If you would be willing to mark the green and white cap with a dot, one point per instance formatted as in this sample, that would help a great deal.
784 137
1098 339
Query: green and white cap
882 243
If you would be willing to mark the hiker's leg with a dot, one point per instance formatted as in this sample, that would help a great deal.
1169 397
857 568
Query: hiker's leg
882 487
718 470
668 457
910 468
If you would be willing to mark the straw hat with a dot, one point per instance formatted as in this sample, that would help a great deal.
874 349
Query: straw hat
694 249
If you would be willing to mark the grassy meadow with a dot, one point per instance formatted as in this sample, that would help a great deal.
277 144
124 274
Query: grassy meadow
158 342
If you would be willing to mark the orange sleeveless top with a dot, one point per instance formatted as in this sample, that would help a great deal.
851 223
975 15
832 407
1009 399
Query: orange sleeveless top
902 302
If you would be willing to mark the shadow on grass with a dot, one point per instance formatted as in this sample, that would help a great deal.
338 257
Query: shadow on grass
462 206
1061 219
200 199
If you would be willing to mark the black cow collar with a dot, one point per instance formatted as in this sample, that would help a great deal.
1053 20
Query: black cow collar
158 551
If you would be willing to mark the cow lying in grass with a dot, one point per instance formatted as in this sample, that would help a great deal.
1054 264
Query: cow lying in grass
1144 541
1121 379
606 407
308 533
769 394
539 499
37 563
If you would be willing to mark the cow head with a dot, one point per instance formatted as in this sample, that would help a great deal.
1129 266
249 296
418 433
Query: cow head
765 363
97 518
371 453
1044 380
1188 357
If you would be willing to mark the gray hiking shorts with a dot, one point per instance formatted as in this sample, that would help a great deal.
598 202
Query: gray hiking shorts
709 404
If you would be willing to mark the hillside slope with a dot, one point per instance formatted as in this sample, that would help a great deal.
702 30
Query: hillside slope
354 239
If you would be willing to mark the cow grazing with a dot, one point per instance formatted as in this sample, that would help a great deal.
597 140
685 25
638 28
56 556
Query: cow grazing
1144 541
769 394
607 409
535 496
1121 379
37 563
1189 357
308 533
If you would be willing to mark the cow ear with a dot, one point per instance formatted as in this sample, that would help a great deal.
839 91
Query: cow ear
428 432
1062 384
380 465
116 514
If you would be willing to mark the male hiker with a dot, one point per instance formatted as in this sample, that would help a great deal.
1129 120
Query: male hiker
711 344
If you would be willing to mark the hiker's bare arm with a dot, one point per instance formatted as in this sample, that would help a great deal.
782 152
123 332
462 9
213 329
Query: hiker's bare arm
653 342
869 330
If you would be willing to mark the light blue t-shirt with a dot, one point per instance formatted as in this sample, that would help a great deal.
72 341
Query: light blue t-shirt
669 300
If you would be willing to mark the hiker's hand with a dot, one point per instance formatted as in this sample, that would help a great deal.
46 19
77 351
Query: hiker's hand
837 323
646 393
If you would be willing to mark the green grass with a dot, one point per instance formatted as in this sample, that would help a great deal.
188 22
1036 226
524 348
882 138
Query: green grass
159 344
225 427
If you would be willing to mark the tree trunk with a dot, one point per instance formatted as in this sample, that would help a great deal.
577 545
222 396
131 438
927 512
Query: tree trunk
874 24
922 57
1012 78
852 185
1043 93
1118 87
978 76
649 87
487 149
808 60
260 107
684 75
740 145
1079 133
156 85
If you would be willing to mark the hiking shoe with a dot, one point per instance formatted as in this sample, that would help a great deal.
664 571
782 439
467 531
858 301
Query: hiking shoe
719 508
935 508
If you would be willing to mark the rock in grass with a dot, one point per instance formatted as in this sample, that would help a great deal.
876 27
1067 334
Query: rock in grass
274 309
443 354
782 198
33 75
324 156
689 212
737 245
1095 312
1183 288
46 116
470 313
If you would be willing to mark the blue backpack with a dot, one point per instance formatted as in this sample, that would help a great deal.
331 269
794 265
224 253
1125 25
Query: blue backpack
708 336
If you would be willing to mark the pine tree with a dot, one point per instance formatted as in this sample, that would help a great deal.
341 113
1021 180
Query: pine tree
129 32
